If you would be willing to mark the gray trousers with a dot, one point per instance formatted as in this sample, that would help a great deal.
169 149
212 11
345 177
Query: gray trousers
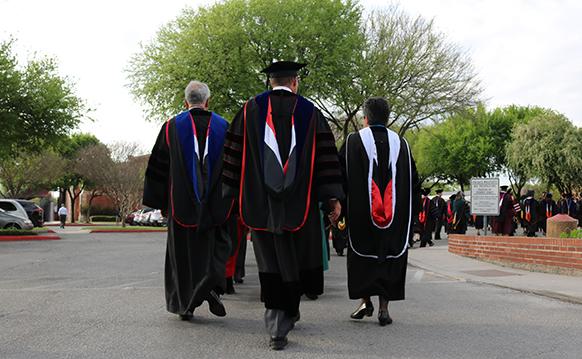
278 323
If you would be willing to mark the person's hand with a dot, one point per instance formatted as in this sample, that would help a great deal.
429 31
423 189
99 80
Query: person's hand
336 210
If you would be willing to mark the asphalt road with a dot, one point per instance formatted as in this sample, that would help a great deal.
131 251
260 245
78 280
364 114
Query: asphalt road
101 296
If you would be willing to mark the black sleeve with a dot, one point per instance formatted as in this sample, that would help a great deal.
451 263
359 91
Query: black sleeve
233 147
416 187
155 194
328 173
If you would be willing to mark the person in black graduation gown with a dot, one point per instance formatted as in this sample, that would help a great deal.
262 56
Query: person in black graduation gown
183 179
461 214
438 206
549 208
530 214
383 198
280 163
426 219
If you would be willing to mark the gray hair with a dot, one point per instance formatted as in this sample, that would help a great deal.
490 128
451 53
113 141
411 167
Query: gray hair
196 93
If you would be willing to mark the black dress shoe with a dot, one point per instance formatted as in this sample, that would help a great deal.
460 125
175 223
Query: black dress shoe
238 279
215 304
384 318
431 243
312 296
186 316
297 317
365 309
278 343
229 286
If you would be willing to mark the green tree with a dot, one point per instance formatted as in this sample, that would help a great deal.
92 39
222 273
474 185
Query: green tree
26 175
227 44
546 148
72 182
37 105
459 148
502 122
118 170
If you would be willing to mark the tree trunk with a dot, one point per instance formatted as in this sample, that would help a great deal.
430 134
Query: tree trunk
73 199
88 220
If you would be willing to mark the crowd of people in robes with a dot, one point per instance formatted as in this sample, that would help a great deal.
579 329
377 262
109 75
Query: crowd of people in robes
528 212
531 213
274 175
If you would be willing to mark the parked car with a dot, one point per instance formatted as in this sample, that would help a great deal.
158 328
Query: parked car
33 211
131 217
142 216
11 206
9 221
156 219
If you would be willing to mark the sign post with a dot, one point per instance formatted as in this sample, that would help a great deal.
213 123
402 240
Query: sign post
485 198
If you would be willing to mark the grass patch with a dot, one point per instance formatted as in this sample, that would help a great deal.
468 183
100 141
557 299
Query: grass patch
16 232
126 229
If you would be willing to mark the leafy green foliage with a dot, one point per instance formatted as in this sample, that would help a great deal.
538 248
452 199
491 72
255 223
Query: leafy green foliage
37 106
350 58
458 148
576 233
26 175
548 147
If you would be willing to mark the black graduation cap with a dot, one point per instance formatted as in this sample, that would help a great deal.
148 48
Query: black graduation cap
439 191
549 195
504 187
426 191
283 69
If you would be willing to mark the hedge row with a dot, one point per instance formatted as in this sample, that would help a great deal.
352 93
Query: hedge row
16 232
103 218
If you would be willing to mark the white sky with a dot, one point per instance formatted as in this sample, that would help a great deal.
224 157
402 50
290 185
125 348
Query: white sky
526 52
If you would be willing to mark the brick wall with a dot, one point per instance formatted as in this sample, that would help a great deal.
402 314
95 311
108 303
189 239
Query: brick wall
555 255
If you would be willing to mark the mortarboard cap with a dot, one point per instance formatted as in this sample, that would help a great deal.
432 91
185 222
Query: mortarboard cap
439 191
504 187
283 69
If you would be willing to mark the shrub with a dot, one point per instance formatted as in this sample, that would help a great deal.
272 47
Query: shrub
576 233
16 232
103 218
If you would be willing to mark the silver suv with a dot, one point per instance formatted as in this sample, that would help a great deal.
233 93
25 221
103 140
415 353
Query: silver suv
9 221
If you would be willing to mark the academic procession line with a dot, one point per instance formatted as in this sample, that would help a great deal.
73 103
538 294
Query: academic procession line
275 171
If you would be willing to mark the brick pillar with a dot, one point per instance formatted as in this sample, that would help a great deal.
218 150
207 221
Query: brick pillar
559 224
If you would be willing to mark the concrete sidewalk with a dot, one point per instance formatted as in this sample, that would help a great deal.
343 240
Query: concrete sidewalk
437 259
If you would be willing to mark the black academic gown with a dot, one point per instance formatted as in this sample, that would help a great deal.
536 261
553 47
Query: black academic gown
286 228
530 216
438 206
377 251
197 243
548 209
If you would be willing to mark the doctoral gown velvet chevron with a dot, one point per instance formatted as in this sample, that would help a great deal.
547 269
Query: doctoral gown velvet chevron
184 179
283 214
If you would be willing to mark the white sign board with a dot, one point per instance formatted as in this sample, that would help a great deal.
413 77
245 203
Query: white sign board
485 196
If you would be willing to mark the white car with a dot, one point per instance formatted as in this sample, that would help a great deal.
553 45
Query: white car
14 208
142 217
155 218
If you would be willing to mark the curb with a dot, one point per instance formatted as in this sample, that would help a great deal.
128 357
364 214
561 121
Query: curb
74 225
541 293
127 231
28 238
